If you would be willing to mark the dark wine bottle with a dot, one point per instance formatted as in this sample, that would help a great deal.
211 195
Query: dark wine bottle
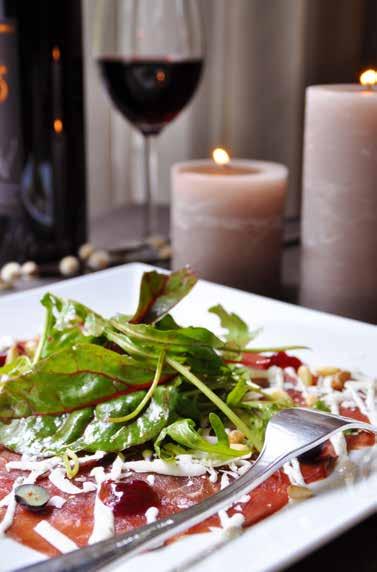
42 153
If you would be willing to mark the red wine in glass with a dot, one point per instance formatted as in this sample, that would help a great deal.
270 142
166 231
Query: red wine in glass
150 92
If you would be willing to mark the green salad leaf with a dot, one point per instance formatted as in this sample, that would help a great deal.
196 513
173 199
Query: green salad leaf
67 322
102 435
88 428
238 334
71 379
159 293
189 441
113 384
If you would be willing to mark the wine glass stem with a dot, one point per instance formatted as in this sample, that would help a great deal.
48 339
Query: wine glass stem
150 182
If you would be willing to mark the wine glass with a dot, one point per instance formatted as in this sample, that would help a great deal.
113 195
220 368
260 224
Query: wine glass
150 56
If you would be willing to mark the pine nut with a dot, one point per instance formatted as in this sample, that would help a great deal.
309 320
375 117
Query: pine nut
340 379
305 375
236 436
311 400
327 370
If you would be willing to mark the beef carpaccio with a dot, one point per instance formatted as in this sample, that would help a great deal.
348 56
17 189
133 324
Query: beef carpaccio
126 420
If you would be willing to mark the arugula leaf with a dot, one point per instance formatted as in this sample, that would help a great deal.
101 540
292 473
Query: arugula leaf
321 405
235 396
238 334
184 433
71 379
159 293
219 429
179 340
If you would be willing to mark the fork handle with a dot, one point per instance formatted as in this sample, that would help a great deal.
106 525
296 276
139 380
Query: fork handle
126 545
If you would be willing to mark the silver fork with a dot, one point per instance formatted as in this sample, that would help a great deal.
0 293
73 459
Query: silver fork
289 433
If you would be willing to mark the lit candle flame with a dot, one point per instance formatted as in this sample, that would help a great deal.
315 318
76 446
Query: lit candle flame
368 78
58 125
220 156
55 53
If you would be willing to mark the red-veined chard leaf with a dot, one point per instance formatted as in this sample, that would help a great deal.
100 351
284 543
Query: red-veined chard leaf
159 293
67 322
71 379
88 430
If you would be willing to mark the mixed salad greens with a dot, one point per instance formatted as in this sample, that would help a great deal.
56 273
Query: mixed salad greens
96 384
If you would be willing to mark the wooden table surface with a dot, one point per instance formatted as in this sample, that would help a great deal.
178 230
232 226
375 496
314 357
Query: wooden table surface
353 551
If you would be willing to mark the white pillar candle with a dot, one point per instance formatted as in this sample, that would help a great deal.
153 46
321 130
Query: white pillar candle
226 221
339 270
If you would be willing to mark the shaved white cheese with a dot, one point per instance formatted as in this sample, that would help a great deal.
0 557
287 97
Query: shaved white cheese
54 537
244 499
11 508
241 466
233 474
116 469
56 501
181 468
151 514
275 377
29 465
97 456
29 462
371 402
58 479
224 481
151 479
103 522
212 475
293 471
358 399
235 521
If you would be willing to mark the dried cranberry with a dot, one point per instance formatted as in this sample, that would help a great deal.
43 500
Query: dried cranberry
283 360
127 499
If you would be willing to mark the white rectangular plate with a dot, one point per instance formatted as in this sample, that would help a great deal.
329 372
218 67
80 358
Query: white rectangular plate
300 527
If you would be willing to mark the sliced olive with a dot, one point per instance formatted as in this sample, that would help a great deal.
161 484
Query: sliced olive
32 497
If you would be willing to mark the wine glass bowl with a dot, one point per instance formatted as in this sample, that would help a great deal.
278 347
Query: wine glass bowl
150 57
150 93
